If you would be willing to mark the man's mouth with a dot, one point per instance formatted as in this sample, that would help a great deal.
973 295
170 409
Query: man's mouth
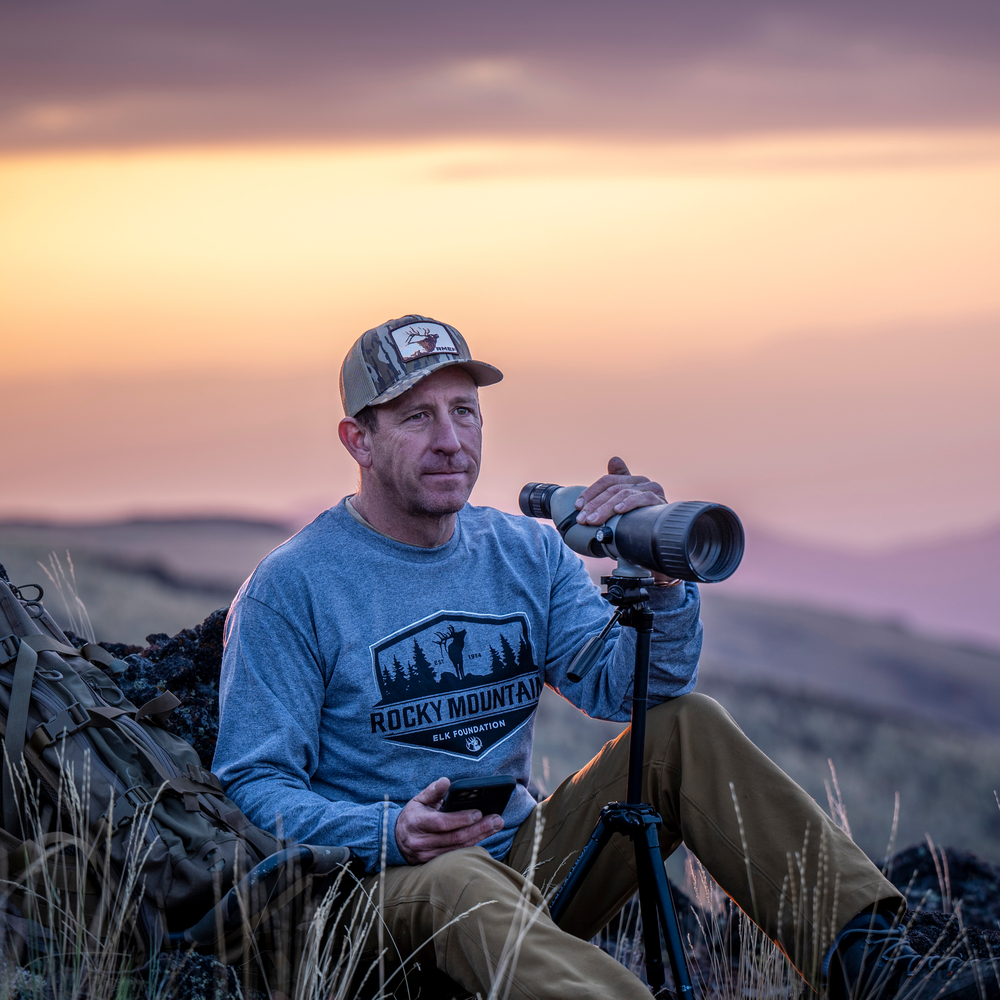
446 472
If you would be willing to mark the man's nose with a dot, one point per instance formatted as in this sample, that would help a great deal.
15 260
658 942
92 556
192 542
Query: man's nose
446 437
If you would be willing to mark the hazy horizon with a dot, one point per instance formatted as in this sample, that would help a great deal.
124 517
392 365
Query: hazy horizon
868 443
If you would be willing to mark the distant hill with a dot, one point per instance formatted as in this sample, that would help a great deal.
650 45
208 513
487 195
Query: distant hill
878 666
142 576
949 587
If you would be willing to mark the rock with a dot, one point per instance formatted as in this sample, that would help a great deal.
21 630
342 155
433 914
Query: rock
188 664
937 887
931 883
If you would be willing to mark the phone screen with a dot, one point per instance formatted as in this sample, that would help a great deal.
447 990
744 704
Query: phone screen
488 795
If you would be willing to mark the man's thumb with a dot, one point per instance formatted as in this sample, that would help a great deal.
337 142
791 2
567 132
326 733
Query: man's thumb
616 467
435 792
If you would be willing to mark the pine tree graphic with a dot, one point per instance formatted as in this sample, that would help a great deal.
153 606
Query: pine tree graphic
399 684
422 677
496 664
507 653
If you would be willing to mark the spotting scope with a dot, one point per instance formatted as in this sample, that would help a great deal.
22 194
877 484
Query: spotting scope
689 540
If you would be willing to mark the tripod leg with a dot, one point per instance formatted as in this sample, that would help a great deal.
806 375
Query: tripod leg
644 865
582 865
668 915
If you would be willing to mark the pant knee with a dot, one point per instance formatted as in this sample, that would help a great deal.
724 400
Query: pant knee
695 712
695 707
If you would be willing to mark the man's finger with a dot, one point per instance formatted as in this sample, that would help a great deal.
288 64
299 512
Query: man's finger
474 834
435 822
607 484
607 496
631 501
619 498
433 795
617 467
426 845
466 836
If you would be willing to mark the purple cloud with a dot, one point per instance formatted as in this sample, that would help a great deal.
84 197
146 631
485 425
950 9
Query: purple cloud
115 72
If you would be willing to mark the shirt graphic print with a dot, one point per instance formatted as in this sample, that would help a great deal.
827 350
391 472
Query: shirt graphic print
456 683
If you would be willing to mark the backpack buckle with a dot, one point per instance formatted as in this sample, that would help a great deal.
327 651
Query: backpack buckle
9 646
65 723
137 795
127 804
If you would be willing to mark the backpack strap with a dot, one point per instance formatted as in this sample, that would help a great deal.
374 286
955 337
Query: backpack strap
24 650
98 654
264 843
157 709
91 651
71 720
204 776
17 714
125 807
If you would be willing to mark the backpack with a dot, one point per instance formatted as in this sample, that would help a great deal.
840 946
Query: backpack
104 805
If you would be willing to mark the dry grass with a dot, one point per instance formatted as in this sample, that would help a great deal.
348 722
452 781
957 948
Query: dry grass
87 952
85 919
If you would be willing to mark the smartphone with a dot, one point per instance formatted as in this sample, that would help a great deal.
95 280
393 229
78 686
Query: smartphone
488 795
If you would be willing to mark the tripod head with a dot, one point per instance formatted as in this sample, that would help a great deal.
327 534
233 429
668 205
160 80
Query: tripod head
626 591
627 585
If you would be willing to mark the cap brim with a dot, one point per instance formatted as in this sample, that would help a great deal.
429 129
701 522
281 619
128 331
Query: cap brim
482 374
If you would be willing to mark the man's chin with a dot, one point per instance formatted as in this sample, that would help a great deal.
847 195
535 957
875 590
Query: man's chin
434 503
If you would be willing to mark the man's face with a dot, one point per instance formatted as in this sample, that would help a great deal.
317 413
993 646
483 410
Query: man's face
426 451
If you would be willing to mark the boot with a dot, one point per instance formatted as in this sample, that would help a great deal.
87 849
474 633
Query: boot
872 960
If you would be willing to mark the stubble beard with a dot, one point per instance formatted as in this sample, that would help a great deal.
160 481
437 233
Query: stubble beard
426 503
423 503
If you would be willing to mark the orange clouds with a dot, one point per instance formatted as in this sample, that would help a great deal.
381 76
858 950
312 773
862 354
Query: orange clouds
262 257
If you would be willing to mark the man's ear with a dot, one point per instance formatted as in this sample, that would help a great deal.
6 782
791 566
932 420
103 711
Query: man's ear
356 440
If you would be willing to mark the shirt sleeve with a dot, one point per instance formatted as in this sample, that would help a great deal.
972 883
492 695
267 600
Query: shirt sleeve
271 696
577 611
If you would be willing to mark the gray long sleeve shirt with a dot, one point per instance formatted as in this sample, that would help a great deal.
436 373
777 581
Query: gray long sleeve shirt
357 667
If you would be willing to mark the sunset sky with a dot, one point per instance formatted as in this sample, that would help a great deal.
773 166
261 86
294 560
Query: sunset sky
765 237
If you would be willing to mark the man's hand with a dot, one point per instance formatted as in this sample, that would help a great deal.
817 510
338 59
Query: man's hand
616 493
423 831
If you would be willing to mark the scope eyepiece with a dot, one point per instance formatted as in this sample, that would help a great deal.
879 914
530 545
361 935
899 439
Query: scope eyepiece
690 540
535 499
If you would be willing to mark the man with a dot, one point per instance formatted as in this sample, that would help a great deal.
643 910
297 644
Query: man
401 641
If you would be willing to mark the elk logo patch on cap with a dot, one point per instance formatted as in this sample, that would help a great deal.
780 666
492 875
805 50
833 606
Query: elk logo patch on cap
419 340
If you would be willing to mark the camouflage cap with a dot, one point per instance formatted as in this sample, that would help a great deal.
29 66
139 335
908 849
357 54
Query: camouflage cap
394 357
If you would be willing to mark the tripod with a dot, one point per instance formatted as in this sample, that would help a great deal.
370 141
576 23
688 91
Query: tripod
632 818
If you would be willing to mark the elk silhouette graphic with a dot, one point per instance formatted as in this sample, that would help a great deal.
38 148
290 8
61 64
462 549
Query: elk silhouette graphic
423 337
453 642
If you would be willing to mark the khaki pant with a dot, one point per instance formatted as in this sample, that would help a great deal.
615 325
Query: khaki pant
798 866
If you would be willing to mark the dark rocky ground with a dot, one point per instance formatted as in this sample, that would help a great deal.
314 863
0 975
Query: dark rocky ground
188 664
934 887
